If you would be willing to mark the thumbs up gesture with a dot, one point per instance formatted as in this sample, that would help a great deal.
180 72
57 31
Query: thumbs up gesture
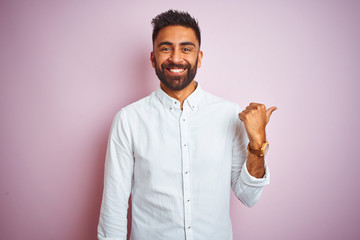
255 118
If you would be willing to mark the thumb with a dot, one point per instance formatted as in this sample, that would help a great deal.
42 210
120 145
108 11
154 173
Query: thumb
269 112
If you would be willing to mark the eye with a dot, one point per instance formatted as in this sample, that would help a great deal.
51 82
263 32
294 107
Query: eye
165 49
186 49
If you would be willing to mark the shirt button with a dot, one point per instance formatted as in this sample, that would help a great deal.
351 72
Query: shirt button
171 108
188 200
184 119
186 172
188 227
185 145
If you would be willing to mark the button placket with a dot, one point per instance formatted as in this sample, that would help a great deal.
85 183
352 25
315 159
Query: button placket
186 173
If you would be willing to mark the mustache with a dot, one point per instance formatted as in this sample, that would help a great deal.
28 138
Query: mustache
173 65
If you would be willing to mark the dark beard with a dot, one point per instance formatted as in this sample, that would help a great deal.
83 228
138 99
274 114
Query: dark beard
176 83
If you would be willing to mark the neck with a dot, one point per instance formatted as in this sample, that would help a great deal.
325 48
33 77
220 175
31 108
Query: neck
182 94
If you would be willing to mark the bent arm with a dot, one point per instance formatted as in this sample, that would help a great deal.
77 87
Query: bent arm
246 187
117 182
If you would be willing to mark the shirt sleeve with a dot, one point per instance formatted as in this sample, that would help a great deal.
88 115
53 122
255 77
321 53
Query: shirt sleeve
246 187
118 176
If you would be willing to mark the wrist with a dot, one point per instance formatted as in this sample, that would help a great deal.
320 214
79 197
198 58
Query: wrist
259 152
256 144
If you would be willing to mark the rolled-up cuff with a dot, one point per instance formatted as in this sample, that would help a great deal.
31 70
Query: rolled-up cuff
253 181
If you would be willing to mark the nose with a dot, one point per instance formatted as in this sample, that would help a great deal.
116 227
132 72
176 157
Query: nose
176 56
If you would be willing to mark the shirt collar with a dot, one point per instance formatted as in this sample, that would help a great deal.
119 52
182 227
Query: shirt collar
192 100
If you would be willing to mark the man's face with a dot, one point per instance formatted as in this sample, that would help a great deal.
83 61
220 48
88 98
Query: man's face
176 56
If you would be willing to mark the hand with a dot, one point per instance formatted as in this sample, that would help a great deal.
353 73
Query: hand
255 118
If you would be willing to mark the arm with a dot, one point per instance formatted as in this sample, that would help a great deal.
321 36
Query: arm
249 172
255 118
255 165
117 182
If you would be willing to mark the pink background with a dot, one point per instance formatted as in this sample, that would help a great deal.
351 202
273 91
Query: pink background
66 67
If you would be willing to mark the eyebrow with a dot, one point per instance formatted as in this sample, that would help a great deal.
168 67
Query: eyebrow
181 44
187 43
164 43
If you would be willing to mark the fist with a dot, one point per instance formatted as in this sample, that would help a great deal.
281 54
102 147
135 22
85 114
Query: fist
255 118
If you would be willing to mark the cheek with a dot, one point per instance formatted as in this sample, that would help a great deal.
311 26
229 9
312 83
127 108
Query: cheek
159 60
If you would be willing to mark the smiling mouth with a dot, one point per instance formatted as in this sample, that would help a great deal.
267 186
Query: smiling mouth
176 70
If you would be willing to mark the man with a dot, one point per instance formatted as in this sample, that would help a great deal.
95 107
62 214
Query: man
178 150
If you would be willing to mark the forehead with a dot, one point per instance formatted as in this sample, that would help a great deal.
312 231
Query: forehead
176 34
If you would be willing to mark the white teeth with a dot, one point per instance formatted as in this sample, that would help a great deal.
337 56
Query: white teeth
176 70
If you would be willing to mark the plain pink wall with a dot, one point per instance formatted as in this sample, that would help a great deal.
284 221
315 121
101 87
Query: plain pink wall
66 67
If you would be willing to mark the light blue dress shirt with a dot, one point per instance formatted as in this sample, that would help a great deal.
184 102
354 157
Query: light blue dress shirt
178 165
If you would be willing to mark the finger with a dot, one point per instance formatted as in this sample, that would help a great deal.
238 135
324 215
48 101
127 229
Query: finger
251 107
241 116
254 104
269 112
257 106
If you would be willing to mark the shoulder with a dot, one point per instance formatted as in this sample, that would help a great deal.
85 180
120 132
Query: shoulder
213 101
223 110
139 106
136 109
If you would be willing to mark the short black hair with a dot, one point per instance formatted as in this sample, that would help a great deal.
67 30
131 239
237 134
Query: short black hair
172 18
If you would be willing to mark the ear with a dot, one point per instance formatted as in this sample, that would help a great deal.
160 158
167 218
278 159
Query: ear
200 56
152 58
